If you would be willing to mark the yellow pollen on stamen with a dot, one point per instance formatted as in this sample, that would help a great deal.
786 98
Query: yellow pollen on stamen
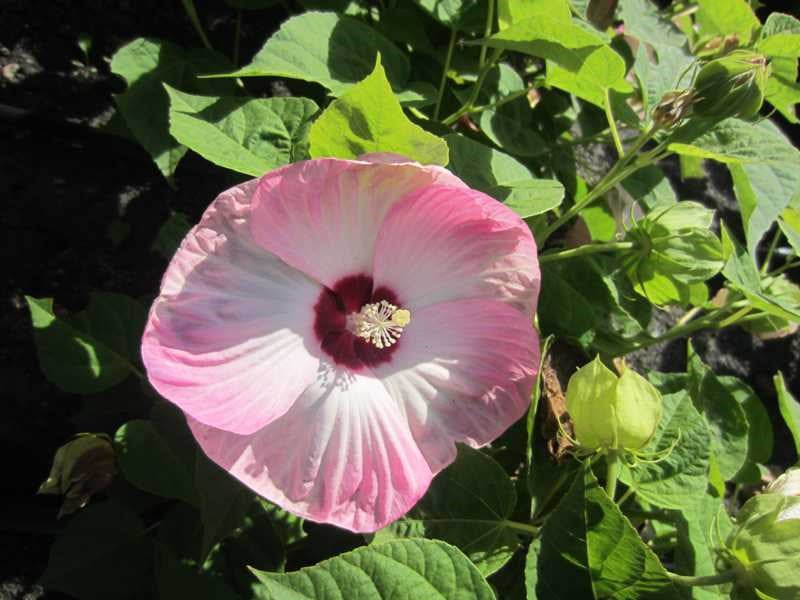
380 323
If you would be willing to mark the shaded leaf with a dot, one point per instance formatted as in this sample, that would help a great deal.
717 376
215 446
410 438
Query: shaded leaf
590 550
102 554
502 177
466 506
92 350
149 463
247 135
322 47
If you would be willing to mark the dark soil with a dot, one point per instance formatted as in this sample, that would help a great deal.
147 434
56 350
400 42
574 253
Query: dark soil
68 187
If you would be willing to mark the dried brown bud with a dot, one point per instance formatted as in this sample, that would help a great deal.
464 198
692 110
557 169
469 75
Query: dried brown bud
81 467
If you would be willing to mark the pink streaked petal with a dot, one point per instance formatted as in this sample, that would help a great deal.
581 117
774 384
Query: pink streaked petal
230 339
343 455
442 243
322 216
464 372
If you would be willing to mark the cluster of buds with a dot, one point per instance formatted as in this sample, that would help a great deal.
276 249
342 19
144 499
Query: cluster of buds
729 86
611 412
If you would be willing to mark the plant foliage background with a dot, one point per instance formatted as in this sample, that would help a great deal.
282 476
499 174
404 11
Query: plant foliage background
546 115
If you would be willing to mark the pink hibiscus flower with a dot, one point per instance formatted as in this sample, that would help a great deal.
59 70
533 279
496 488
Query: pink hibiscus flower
332 329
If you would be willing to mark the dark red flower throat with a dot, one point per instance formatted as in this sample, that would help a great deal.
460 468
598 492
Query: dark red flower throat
348 295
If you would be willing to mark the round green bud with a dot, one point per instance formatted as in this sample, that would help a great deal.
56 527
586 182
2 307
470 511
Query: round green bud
731 86
765 547
612 412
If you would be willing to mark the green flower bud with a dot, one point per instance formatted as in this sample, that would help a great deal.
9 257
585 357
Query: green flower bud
731 86
765 547
612 412
81 467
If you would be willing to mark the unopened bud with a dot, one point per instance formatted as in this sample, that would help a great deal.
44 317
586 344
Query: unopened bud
731 86
612 412
765 547
673 108
81 467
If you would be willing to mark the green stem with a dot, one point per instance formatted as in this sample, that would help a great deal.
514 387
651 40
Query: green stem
504 100
786 267
523 527
628 493
448 57
191 12
586 249
487 32
612 124
768 258
619 172
476 89
687 580
710 320
613 467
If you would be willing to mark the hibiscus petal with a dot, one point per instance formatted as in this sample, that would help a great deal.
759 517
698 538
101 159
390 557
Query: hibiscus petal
463 373
343 454
230 338
442 243
322 216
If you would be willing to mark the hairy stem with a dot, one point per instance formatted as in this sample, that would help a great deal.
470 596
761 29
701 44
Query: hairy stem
613 467
687 580
191 12
586 249
476 89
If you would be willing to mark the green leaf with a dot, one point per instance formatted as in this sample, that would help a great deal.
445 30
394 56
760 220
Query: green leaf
725 417
780 41
603 314
398 570
671 72
502 177
701 528
513 11
510 125
247 135
171 234
790 410
643 21
677 480
92 350
586 65
650 188
148 462
102 554
466 506
762 161
765 190
146 64
224 502
322 47
590 550
741 272
368 118
532 569
723 17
